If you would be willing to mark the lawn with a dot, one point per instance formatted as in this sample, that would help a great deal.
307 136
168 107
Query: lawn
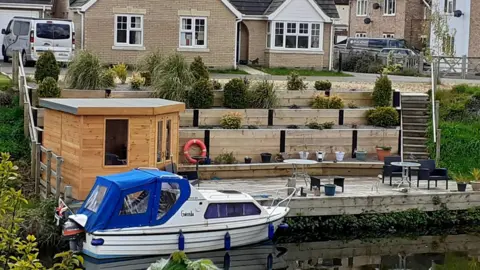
5 82
227 71
304 72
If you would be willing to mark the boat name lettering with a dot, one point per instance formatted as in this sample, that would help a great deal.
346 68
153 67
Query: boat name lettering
187 214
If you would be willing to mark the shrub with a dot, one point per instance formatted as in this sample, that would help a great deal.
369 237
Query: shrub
358 62
295 82
108 78
352 105
231 120
235 94
314 125
49 88
323 85
137 81
322 102
198 68
225 158
375 67
149 62
173 79
46 66
328 125
147 76
5 99
262 95
382 92
382 117
121 72
216 85
85 71
201 95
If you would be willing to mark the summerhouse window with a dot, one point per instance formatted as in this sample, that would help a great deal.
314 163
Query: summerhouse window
116 142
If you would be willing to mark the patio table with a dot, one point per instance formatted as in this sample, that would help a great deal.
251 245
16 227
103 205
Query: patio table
302 173
405 168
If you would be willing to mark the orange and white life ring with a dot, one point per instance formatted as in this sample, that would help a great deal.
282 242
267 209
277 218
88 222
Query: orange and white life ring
187 147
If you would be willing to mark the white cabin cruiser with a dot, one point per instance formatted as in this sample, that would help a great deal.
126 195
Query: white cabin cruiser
151 212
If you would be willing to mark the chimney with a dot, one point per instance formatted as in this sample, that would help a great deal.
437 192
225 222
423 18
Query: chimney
60 9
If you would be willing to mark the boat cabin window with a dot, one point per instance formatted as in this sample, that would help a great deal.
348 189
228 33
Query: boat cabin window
135 203
226 210
95 198
116 142
168 197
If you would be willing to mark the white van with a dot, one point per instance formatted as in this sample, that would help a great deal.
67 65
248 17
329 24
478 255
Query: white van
32 37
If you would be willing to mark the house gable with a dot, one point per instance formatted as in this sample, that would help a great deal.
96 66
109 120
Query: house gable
299 10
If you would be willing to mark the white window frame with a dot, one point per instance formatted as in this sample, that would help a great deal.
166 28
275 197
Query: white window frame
388 35
194 45
269 34
450 6
129 28
364 4
297 34
388 6
360 34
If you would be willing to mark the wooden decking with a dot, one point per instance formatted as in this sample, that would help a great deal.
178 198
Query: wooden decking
358 197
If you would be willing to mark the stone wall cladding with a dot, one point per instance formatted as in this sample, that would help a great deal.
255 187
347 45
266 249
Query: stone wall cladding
474 46
161 30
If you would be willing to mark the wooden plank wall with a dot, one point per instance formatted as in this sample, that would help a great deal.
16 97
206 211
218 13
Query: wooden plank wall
258 117
246 142
355 116
72 93
284 117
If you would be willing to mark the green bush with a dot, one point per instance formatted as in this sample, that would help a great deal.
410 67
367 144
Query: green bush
107 78
216 85
375 67
328 125
262 95
201 95
314 125
466 89
49 88
382 117
173 79
322 102
358 62
121 71
382 92
231 120
6 99
47 66
225 158
149 62
295 82
12 139
147 76
85 72
198 68
323 85
235 94
137 81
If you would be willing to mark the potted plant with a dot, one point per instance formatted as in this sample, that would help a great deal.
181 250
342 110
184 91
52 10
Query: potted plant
462 181
280 157
304 154
320 155
266 157
476 179
248 160
383 151
339 155
361 155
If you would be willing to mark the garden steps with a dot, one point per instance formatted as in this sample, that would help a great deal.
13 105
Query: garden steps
415 119
414 140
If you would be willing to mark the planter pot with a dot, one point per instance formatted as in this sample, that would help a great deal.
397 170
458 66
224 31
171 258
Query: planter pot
248 160
383 153
330 189
319 155
361 155
327 93
303 154
475 186
266 157
462 186
339 155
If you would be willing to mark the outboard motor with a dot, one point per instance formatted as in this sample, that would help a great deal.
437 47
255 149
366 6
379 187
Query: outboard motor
73 232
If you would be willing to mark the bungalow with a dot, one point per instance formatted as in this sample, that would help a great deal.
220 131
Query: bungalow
290 33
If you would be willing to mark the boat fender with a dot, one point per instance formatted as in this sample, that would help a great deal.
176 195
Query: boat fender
227 241
226 261
270 262
271 231
187 147
181 241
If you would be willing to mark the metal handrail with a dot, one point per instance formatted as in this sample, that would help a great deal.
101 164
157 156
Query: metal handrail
22 84
289 198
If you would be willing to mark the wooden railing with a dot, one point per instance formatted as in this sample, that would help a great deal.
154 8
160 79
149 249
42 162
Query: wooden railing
38 152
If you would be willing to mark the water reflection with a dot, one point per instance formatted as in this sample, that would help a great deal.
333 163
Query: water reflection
424 253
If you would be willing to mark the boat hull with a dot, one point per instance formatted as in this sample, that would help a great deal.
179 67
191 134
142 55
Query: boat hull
124 245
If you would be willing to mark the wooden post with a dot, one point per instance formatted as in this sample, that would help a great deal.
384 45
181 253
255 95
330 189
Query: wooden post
15 70
437 152
435 75
58 179
49 171
420 63
464 66
339 62
437 114
38 168
21 90
33 160
67 195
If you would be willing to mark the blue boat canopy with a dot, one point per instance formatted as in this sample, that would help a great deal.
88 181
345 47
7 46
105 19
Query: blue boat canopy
141 197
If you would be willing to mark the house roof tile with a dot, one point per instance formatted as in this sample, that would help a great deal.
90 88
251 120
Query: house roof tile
266 7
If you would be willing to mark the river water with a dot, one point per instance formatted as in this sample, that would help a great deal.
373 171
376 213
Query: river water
423 253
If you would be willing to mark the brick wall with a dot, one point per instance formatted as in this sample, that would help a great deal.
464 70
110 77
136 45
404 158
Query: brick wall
302 59
415 23
257 31
161 29
474 46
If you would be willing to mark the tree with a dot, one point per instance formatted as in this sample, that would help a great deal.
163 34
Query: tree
47 66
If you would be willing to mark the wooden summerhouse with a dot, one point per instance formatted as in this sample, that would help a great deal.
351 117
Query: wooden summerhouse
104 136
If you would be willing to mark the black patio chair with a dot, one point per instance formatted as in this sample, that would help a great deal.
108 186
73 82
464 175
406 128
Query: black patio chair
391 171
429 172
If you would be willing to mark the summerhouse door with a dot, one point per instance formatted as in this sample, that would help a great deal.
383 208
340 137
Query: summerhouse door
166 140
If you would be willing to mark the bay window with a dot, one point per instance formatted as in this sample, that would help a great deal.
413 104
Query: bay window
128 30
295 35
193 32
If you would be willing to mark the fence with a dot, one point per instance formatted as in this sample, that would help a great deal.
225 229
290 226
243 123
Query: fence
464 67
38 152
